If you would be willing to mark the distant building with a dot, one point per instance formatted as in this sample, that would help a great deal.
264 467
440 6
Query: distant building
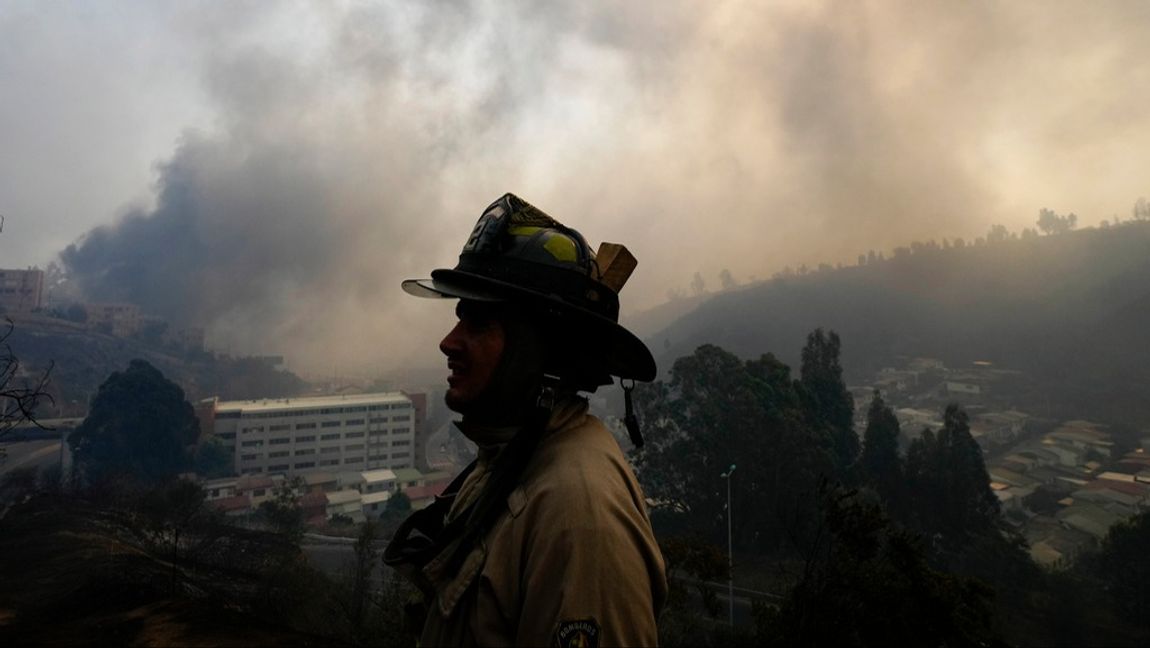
21 291
327 433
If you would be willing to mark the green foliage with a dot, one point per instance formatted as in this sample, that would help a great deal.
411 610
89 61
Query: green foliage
139 427
949 487
283 513
395 512
718 410
690 559
866 582
828 404
212 459
880 464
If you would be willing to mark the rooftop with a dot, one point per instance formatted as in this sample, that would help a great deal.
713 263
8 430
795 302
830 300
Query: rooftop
289 404
383 474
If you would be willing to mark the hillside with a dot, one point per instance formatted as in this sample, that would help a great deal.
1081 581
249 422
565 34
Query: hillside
1070 311
76 573
81 359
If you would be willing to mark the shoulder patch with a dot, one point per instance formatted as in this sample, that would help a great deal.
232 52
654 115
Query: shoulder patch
577 633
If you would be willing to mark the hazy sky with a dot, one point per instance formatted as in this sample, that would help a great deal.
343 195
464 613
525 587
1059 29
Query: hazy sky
272 170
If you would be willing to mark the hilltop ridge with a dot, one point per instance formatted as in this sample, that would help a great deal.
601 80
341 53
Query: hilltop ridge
1071 310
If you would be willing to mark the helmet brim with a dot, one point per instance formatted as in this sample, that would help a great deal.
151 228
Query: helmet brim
624 354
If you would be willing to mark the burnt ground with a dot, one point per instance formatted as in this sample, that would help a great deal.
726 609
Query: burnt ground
77 573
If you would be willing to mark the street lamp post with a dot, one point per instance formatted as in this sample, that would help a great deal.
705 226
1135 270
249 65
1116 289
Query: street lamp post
730 550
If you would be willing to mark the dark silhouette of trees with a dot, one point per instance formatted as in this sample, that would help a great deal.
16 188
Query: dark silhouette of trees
718 410
212 459
139 427
947 479
867 582
829 405
1124 565
1051 223
880 464
1141 210
19 398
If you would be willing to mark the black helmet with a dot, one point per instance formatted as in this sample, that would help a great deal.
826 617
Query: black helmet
517 253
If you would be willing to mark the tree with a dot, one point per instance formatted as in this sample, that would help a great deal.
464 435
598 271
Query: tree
828 404
212 459
876 580
1124 565
1051 223
171 511
997 234
19 398
698 286
717 410
396 511
726 280
1141 210
365 558
283 512
880 463
139 427
949 483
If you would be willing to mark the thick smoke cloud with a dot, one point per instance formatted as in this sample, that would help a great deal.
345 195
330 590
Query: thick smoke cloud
354 146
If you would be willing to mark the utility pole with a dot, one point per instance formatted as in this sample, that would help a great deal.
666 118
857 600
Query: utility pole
730 549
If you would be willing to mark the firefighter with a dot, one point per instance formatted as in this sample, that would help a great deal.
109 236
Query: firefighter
544 539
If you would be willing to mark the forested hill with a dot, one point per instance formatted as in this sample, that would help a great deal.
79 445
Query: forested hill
1071 310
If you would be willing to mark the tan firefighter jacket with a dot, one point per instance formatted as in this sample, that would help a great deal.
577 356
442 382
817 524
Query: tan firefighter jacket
572 561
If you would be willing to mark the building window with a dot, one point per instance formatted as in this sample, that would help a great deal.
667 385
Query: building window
227 435
279 441
252 444
329 462
280 428
376 433
353 435
278 468
331 424
305 464
402 430
400 442
351 460
399 406
353 447
305 451
305 439
277 455
329 437
255 469
305 426
259 492
331 450
382 419
353 422
404 417
401 455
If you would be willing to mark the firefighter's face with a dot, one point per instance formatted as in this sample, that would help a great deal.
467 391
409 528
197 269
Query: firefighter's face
474 349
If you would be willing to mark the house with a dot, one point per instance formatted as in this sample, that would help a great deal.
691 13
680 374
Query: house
347 502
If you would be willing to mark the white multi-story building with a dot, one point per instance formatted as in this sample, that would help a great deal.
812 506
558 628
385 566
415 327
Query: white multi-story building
332 433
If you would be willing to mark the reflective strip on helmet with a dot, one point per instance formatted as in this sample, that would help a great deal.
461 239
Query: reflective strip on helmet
562 248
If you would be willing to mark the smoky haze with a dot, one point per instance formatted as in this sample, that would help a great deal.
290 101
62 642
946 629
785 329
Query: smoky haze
356 148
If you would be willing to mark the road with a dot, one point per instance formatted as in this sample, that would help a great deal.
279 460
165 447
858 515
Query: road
23 454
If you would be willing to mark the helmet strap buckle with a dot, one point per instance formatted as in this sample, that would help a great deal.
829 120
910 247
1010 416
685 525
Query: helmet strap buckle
547 392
